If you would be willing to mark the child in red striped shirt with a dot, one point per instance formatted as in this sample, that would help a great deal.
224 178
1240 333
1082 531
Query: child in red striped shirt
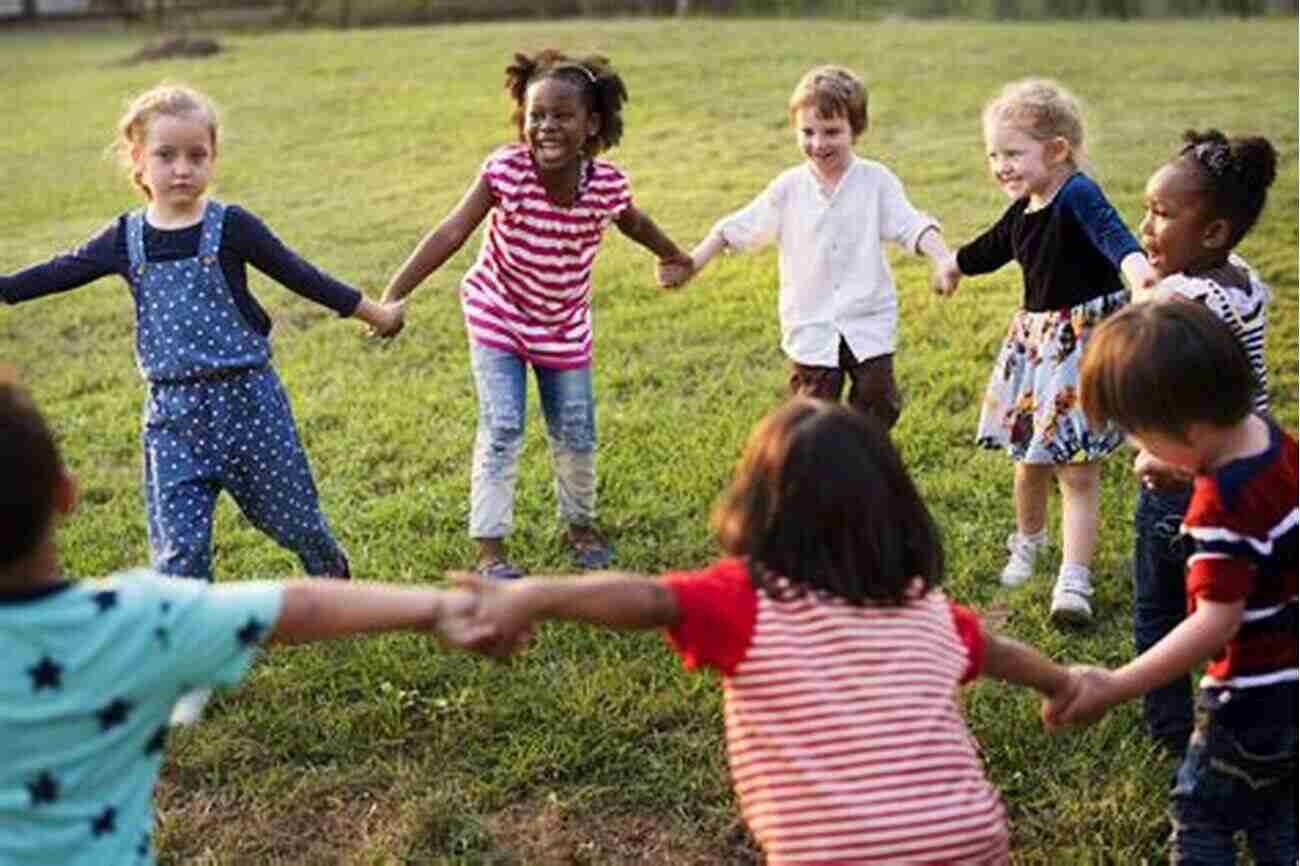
841 658
527 299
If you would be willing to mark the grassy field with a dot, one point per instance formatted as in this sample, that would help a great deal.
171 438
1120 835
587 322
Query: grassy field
596 747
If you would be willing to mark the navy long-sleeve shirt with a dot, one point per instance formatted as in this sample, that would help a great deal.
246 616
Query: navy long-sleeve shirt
1070 251
246 240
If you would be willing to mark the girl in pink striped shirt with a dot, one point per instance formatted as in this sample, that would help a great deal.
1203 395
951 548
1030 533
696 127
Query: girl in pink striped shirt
527 298
841 658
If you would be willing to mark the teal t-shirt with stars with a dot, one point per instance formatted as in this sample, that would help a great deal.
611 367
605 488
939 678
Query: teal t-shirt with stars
89 672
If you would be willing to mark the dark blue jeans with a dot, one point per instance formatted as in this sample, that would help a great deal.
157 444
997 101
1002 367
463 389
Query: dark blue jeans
1239 774
1160 604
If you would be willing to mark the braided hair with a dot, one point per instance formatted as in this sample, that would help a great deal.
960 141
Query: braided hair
1235 174
603 91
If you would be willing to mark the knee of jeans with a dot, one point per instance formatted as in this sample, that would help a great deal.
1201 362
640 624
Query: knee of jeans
575 429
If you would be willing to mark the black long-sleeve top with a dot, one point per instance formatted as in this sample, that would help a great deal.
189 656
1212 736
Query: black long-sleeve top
245 240
1069 251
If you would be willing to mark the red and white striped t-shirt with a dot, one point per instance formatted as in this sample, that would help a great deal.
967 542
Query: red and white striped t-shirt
844 736
529 292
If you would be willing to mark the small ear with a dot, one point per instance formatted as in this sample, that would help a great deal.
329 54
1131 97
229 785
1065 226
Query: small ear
1056 149
66 494
1217 234
594 123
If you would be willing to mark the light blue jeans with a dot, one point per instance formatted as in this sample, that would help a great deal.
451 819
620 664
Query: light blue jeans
501 379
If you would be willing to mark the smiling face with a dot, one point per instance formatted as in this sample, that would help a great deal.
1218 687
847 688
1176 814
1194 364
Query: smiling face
827 142
557 123
175 161
1021 164
1178 233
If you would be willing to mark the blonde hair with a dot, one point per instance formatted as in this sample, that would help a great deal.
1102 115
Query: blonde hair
168 100
833 91
1042 109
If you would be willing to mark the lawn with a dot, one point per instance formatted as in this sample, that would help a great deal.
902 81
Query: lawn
595 747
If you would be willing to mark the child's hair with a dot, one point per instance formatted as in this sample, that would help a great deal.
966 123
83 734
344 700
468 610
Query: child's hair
822 499
1235 175
169 100
834 92
30 467
1164 366
1042 109
602 90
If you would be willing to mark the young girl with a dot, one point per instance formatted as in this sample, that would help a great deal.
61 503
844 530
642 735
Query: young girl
1199 206
216 416
527 299
831 218
1070 243
840 656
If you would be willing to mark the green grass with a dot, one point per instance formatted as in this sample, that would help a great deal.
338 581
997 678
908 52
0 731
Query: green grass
596 747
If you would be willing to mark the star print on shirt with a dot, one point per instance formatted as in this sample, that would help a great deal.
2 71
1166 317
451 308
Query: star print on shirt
105 599
106 822
46 674
249 632
157 741
163 636
142 850
114 714
44 790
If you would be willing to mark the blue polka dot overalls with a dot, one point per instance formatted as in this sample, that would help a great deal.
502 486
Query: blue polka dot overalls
217 417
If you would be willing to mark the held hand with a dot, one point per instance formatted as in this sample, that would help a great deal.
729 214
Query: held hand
1141 277
500 611
946 276
674 271
390 320
1085 701
458 625
1156 474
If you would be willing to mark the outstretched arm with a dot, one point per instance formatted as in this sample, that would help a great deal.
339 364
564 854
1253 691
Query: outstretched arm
321 609
674 266
441 243
1014 662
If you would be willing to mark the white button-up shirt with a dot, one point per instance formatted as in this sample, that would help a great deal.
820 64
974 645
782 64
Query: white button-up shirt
835 281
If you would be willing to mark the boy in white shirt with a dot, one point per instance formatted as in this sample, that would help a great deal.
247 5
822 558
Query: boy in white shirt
830 217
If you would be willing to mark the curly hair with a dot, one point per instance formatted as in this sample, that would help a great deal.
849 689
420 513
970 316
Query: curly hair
603 91
1234 175
1042 109
822 502
168 100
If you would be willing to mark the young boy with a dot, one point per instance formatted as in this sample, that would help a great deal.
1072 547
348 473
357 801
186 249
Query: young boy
1175 378
90 670
830 216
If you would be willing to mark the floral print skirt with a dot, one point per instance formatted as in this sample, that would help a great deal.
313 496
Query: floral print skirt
1032 405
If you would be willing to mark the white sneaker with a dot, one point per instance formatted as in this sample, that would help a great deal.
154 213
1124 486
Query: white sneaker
189 707
1070 604
1024 555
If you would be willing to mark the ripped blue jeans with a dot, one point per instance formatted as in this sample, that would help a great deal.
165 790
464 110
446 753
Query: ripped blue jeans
568 405
1239 774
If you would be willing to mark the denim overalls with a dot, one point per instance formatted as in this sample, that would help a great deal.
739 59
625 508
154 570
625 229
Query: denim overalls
216 417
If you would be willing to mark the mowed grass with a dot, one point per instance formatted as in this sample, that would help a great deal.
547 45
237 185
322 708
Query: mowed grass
596 747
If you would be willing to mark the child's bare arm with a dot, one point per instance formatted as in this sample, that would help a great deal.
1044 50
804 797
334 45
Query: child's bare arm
441 243
320 609
1014 662
638 226
713 245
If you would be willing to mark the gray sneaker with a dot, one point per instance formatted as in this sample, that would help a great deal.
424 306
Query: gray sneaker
1024 556
1070 605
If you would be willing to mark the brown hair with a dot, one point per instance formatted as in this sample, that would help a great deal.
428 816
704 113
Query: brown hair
30 467
822 502
834 92
1042 109
170 100
1163 366
603 91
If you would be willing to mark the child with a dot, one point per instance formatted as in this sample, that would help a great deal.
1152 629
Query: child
527 299
1177 380
216 416
1199 206
89 670
839 654
830 218
1070 243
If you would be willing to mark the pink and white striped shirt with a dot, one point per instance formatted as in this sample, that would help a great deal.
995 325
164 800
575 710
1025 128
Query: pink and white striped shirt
529 292
844 735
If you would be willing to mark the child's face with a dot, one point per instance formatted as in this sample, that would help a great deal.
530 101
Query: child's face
1021 164
827 142
176 159
557 123
1178 234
